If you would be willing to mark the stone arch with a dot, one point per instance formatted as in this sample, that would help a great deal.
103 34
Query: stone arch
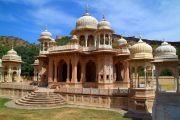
119 67
14 76
107 39
82 40
101 39
90 71
90 41
167 80
45 46
79 71
62 71
5 76
141 76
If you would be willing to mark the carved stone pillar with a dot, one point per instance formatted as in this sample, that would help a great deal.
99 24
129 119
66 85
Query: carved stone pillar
50 70
104 38
74 71
95 40
86 39
55 71
68 67
83 72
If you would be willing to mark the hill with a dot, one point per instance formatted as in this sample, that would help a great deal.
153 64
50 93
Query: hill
13 41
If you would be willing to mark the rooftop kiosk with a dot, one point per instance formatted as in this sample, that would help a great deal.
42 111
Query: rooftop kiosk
141 78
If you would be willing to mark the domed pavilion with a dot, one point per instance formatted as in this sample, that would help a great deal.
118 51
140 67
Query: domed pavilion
165 58
11 63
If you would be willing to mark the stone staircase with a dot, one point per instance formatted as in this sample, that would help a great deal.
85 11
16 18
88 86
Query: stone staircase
41 99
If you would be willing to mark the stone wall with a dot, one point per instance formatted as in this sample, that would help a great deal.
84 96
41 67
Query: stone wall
107 98
96 100
11 90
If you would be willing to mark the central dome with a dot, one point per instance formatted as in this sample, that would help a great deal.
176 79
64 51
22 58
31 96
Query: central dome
86 22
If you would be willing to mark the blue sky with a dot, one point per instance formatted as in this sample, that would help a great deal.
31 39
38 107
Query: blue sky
154 19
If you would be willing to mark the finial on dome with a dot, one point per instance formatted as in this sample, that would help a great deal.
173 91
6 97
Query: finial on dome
164 42
87 8
121 35
140 38
104 18
12 47
46 28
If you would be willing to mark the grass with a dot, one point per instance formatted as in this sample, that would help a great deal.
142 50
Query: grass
57 114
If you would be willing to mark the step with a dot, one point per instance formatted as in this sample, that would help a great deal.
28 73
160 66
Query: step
33 102
41 99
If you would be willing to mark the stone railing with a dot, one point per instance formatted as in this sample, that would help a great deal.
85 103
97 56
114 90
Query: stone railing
94 91
105 46
65 47
16 86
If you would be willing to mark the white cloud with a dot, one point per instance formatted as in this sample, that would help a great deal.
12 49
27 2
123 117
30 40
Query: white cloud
131 17
28 2
51 16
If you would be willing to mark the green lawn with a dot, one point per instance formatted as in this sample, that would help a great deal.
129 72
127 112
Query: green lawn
57 114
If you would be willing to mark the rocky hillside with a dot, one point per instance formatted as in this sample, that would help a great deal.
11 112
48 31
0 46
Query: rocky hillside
13 41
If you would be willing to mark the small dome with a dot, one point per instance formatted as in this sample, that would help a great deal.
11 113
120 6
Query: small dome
45 35
74 37
165 51
12 52
12 56
141 50
104 25
121 41
86 22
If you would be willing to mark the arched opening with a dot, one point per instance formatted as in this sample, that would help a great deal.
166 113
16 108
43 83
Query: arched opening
90 72
107 39
79 72
5 76
167 81
141 77
62 71
119 71
82 40
90 42
45 46
101 39
14 76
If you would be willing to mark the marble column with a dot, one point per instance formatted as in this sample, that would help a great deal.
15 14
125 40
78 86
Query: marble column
104 38
95 40
86 39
